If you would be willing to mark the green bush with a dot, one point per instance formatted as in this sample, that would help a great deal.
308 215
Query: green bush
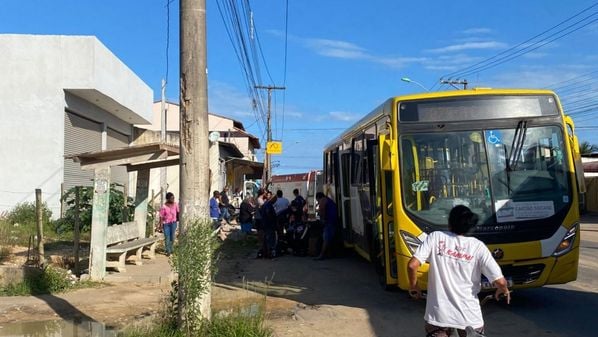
25 214
193 255
117 212
50 280
19 224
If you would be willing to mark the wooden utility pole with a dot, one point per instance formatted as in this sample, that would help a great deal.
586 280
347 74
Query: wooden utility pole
194 143
267 175
40 227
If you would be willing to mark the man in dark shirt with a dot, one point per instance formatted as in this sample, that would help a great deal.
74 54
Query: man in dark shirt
329 217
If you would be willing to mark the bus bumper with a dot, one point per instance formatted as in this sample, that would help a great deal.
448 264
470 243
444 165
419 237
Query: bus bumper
524 274
539 272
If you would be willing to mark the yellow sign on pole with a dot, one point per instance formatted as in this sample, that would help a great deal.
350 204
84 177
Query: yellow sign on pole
274 148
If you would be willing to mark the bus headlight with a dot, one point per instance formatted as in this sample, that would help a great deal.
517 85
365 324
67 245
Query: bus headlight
567 243
412 242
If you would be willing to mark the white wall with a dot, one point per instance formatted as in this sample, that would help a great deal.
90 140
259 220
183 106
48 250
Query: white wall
36 70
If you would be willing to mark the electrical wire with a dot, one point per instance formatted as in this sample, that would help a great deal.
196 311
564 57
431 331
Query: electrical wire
284 81
512 52
230 19
168 2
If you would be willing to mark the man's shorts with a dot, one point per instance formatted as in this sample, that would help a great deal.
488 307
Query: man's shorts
437 331
328 233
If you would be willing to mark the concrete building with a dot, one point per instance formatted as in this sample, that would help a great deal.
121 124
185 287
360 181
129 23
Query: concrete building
62 95
232 155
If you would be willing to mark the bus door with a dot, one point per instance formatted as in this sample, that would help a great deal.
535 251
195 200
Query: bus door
373 219
344 197
387 259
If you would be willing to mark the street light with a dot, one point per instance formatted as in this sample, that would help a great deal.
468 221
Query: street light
408 80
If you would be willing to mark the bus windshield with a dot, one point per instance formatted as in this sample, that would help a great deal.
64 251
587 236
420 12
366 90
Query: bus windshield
503 175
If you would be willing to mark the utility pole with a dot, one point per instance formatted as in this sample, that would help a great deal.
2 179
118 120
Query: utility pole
163 121
40 227
194 156
267 174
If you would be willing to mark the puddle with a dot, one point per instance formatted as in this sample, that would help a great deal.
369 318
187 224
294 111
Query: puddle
56 328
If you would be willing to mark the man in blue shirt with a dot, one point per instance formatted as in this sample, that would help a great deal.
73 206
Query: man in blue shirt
215 209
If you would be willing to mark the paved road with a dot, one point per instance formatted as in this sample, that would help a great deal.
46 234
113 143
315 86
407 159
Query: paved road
342 298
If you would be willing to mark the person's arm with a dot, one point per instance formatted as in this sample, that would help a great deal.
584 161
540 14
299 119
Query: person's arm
502 289
412 268
491 270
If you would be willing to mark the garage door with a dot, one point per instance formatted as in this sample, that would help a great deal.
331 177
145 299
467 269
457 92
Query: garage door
117 140
80 135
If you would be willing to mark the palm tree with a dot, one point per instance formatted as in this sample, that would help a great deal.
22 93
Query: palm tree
586 148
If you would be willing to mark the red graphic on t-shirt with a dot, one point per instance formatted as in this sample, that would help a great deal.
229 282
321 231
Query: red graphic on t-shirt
457 253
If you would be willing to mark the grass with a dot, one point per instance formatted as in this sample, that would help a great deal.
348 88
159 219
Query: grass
4 253
237 324
47 281
237 248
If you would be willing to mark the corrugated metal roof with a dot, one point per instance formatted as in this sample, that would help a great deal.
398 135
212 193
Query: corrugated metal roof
590 166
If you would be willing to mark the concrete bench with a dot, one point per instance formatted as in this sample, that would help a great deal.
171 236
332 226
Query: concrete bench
123 240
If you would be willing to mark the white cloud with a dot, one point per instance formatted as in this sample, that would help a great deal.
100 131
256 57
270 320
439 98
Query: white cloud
533 76
348 50
293 114
478 30
534 55
336 48
226 100
469 46
342 116
450 62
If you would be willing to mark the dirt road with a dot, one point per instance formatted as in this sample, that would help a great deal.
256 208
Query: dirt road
336 297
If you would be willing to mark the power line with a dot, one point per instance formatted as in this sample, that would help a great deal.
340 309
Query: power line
512 52
168 2
556 86
316 129
284 81
228 11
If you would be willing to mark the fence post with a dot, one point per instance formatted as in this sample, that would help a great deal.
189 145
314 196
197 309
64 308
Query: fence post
76 231
40 226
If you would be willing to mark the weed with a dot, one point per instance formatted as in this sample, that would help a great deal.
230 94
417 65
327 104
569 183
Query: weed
50 280
4 253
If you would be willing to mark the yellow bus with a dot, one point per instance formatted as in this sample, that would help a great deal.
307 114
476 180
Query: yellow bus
509 155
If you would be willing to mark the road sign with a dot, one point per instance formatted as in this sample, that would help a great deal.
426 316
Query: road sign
274 148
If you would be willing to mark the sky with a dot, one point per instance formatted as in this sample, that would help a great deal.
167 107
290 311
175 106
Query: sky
338 60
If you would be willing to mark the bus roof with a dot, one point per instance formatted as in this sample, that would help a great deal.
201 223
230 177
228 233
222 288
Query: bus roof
385 108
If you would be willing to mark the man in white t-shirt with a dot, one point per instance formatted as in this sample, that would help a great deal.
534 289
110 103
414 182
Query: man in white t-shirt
454 278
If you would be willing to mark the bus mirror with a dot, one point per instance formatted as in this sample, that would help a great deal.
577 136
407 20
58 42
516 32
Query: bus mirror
389 155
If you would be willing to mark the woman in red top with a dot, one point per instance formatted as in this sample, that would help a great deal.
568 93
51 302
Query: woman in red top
169 216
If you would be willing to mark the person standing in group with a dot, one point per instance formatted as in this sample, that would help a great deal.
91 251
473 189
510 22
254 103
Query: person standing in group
224 205
215 209
297 205
257 217
269 224
457 263
246 211
281 206
169 217
328 216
